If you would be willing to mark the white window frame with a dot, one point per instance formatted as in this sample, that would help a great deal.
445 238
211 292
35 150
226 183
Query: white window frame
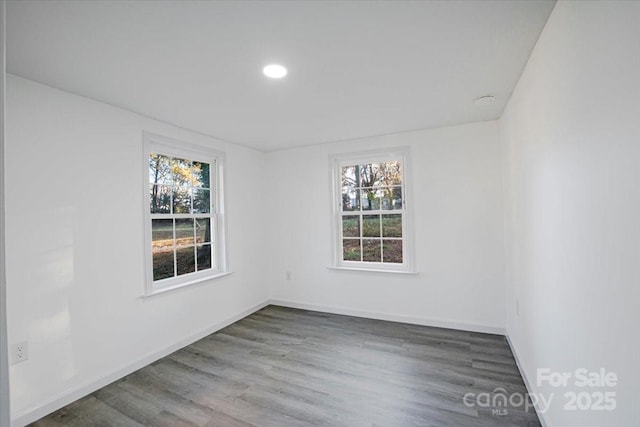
158 144
337 161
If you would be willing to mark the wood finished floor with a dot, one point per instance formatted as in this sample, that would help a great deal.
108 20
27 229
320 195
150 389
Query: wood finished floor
287 367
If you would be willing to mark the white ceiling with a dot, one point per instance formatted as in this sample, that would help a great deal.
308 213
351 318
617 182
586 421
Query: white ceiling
355 68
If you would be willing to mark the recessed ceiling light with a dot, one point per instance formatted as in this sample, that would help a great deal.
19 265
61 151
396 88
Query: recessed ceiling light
484 100
274 71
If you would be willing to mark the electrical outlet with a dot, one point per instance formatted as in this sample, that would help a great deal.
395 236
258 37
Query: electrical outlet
289 275
19 352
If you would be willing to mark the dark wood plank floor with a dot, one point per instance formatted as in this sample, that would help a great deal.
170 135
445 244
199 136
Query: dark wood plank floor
286 367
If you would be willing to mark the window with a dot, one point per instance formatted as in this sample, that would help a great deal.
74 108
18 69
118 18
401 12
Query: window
371 217
184 219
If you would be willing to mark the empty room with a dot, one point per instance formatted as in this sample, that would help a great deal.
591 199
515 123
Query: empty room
320 213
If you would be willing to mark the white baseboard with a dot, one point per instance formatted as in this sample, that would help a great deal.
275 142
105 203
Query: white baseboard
415 320
34 414
541 416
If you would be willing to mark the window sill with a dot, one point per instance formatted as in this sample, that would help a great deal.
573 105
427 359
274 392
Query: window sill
374 270
186 284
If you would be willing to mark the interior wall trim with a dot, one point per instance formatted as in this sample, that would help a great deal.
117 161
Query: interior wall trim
414 320
541 415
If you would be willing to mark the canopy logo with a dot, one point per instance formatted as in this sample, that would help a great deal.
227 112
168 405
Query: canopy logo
500 401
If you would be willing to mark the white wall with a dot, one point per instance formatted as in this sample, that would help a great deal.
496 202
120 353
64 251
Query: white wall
75 245
458 232
571 135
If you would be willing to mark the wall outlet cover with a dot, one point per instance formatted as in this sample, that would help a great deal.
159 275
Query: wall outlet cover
19 352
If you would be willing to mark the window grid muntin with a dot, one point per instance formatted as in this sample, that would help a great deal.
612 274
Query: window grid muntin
360 212
175 246
195 245
172 187
380 238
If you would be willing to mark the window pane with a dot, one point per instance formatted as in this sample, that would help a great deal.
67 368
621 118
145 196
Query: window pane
371 225
204 257
203 230
370 199
201 201
162 248
162 263
392 225
181 200
162 233
185 260
368 174
160 198
159 169
351 226
200 173
184 232
391 198
371 250
390 172
392 250
181 173
350 199
351 250
348 176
